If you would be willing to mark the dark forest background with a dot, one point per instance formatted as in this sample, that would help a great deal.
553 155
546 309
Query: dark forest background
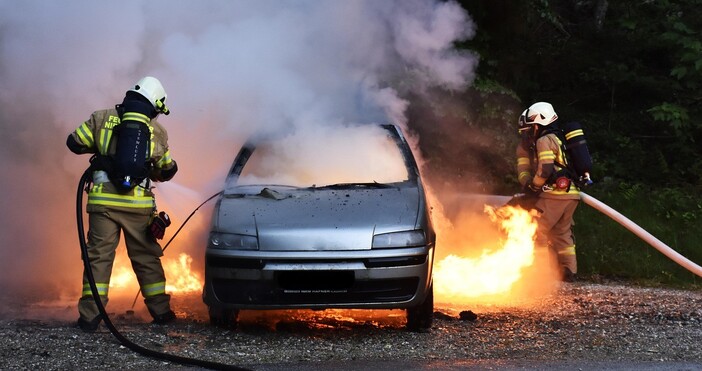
631 73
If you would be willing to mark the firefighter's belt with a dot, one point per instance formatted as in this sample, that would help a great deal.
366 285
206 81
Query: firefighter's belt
100 176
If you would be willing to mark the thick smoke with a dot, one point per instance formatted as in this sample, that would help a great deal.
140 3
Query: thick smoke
230 68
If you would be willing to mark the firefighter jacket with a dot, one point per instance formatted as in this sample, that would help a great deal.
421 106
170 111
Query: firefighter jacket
541 164
94 136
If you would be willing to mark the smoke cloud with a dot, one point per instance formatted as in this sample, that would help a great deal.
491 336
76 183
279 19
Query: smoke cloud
230 68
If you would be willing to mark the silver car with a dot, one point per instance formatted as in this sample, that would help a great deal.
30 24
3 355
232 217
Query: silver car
316 220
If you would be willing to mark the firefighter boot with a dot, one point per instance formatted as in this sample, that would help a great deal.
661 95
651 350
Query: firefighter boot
89 326
569 267
162 319
568 275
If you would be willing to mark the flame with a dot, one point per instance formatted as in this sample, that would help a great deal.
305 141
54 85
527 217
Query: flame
498 268
180 277
122 278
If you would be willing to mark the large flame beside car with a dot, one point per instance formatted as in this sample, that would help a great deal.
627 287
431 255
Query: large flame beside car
180 276
500 265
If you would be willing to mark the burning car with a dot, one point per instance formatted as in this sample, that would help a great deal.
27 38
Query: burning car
322 219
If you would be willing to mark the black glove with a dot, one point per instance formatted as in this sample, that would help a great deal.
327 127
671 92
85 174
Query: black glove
530 190
525 202
159 224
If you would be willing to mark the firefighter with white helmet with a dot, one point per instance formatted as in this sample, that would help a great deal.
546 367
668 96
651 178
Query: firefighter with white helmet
151 89
541 166
120 198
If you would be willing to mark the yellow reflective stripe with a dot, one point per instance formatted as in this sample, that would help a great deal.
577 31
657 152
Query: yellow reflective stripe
523 161
570 250
547 155
105 135
165 159
154 289
138 192
523 174
135 116
85 135
138 200
102 289
152 145
119 200
573 191
574 133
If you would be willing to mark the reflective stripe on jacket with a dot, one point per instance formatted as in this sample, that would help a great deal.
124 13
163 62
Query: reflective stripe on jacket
537 167
95 135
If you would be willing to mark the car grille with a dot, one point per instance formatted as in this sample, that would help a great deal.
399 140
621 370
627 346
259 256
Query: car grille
314 288
235 263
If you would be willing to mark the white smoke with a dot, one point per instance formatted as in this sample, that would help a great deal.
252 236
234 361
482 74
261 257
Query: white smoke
230 68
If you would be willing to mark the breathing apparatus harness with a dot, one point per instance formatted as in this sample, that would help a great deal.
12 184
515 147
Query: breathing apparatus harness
576 169
83 184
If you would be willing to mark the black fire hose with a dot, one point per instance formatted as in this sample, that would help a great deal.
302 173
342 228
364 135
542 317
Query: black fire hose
84 180
176 233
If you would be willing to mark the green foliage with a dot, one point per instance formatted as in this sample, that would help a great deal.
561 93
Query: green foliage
677 206
675 115
487 86
606 248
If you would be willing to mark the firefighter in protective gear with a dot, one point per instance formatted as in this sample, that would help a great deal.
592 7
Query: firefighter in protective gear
540 167
112 212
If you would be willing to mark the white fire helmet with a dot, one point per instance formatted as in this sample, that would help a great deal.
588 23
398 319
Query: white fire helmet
540 113
151 89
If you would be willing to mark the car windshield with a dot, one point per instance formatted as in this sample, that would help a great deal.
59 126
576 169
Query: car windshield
362 155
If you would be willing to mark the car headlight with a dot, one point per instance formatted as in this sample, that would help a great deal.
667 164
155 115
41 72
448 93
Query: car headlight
399 239
231 241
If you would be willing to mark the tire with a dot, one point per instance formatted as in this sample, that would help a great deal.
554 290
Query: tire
420 318
224 318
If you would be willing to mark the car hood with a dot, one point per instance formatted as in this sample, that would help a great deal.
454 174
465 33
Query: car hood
318 219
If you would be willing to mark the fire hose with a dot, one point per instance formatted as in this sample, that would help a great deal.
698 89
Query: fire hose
85 179
176 233
641 233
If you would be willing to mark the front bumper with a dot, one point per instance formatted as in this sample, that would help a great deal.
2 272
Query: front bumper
387 278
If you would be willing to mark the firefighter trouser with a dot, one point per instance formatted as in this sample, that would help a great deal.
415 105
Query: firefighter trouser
555 230
144 253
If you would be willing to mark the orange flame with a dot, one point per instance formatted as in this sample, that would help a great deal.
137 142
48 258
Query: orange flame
180 277
499 267
122 278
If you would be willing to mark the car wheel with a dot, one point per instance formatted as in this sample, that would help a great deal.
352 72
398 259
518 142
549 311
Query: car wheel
224 318
419 318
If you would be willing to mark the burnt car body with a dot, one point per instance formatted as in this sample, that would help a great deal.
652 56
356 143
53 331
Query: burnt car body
277 243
